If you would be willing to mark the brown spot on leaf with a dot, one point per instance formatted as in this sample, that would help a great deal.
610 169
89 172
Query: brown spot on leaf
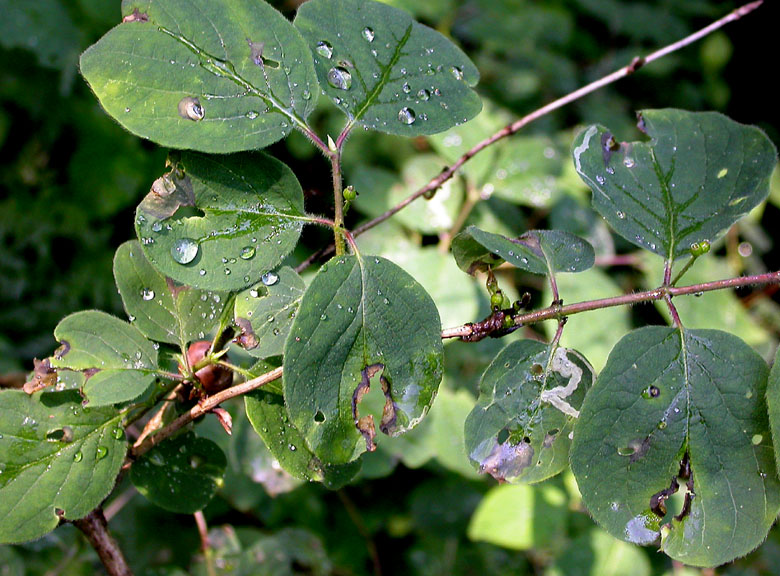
43 376
640 449
62 350
658 500
174 288
136 16
167 195
365 424
388 423
507 460
247 339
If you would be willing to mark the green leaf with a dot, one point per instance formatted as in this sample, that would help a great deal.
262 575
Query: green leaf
385 71
221 222
520 517
182 474
446 437
536 251
268 416
698 174
687 405
57 460
159 308
210 75
119 360
265 312
596 553
360 319
529 399
773 404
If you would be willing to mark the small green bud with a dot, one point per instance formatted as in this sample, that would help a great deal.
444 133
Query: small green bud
509 322
700 248
496 300
349 193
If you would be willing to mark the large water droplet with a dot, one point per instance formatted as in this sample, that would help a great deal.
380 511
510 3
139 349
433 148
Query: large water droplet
406 116
190 109
340 78
324 49
457 72
184 250
118 433
368 34
269 278
78 457
247 252
147 294
101 453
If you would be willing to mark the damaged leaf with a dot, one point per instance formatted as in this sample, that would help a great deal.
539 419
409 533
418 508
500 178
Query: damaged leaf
529 400
57 460
157 306
246 216
265 312
118 361
180 475
211 75
679 411
698 174
385 71
537 251
363 322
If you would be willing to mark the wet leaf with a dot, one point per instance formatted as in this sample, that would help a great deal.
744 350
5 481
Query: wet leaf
223 224
265 312
362 321
158 307
520 517
529 400
182 474
675 412
385 71
117 359
57 460
773 403
698 174
536 251
268 415
215 76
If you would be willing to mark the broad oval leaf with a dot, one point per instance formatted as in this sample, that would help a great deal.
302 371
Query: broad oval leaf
118 360
210 75
773 404
698 174
265 312
674 410
385 71
529 400
181 475
537 251
221 222
57 460
161 309
360 319
268 415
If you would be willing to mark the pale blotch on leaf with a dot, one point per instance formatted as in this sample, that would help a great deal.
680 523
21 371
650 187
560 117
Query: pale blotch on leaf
191 109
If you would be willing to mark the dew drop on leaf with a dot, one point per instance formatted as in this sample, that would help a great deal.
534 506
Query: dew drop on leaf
269 278
147 294
184 250
406 116
101 453
368 34
324 49
340 78
118 433
247 252
423 94
78 457
457 72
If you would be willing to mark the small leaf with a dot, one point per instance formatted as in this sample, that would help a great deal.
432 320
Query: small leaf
181 475
209 75
529 398
118 359
673 411
265 312
57 460
386 71
268 415
223 224
161 309
361 319
699 173
536 251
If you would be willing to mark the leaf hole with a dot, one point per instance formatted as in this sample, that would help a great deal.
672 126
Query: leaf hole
64 434
319 416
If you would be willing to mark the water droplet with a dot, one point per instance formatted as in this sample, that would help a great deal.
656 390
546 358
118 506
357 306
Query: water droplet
101 453
118 433
722 173
340 78
620 214
247 252
457 72
757 439
324 49
306 95
78 457
184 250
292 447
406 88
147 294
662 425
600 179
190 109
628 162
202 272
651 392
368 34
269 278
157 226
423 94
610 170
252 114
406 116
269 318
227 271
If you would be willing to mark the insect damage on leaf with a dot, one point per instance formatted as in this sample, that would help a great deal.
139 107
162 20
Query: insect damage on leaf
168 194
568 369
365 424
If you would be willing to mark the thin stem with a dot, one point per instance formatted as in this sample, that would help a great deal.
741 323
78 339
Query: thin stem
316 140
95 528
338 201
205 544
683 270
668 297
234 368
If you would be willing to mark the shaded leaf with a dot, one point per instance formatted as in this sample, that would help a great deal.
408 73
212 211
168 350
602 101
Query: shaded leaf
675 410
529 400
446 438
223 223
265 312
57 460
386 71
161 309
360 319
216 76
596 553
182 474
773 404
119 361
698 174
536 251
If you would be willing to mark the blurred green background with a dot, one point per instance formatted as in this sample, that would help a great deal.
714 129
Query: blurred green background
71 179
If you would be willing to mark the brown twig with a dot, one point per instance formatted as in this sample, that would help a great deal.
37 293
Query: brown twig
95 528
205 543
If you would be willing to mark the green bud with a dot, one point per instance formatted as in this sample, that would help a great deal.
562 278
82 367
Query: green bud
496 300
509 322
349 193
